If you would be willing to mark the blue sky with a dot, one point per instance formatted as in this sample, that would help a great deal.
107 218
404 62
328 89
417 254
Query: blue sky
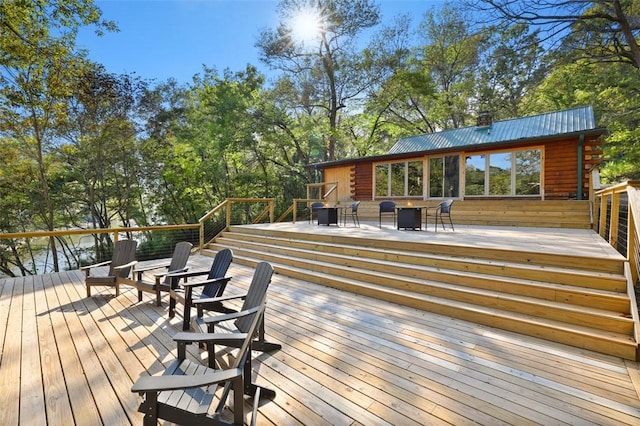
159 39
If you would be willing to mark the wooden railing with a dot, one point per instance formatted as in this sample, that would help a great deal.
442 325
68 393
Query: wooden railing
229 217
225 214
293 208
322 190
617 213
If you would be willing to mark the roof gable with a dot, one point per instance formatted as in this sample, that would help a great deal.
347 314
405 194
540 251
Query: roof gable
537 126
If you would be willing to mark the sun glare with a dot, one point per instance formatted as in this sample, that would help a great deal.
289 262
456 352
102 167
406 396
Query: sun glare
306 26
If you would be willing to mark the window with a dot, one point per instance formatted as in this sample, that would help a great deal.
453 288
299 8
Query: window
503 174
414 179
444 176
397 179
436 177
474 176
500 174
382 180
528 172
403 179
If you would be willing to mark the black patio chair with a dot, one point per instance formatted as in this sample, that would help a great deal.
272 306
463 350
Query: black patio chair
353 211
387 208
314 210
441 210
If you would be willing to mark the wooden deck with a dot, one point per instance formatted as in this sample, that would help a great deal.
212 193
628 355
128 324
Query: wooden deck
565 241
346 359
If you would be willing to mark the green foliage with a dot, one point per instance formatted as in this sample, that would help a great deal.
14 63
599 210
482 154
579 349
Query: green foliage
327 71
512 67
614 91
78 142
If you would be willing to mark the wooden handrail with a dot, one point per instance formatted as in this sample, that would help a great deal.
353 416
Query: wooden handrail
225 206
41 234
633 231
228 204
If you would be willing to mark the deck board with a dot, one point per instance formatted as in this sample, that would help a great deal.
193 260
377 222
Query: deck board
346 360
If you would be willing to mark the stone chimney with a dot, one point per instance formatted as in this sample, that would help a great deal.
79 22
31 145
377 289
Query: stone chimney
484 119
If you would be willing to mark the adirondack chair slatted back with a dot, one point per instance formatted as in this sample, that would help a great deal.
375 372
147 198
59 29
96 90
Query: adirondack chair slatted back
257 293
243 360
179 259
253 323
219 269
124 251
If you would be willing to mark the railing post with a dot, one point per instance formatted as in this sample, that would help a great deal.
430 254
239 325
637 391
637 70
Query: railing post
272 210
229 214
295 210
614 219
201 230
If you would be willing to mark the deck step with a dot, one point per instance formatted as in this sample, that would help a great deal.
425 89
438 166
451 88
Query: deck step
537 294
582 278
617 344
534 258
433 264
594 317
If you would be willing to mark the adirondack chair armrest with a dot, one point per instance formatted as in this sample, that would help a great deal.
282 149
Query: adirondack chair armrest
146 384
187 274
205 282
225 339
232 340
126 265
219 299
139 271
175 271
95 265
152 267
227 317
158 276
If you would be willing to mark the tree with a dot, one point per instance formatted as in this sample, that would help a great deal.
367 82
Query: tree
613 90
101 155
512 67
37 67
325 69
436 86
451 56
171 167
603 30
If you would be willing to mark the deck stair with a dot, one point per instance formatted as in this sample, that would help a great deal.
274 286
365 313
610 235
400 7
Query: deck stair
567 299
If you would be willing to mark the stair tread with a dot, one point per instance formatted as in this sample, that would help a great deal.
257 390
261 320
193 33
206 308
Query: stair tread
501 278
280 268
536 294
462 288
522 257
468 260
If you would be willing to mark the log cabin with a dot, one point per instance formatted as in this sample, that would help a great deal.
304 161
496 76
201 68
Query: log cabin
553 156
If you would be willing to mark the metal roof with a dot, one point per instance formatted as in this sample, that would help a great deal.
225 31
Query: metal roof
537 126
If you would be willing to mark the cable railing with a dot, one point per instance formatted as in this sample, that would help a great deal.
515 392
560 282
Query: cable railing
40 252
618 220
617 212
